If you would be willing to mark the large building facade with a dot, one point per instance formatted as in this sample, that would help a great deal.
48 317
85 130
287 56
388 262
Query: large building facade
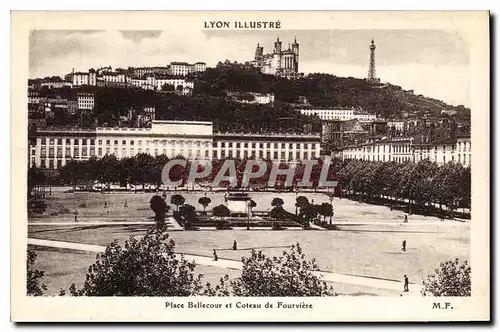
132 76
281 62
411 149
277 147
340 113
53 148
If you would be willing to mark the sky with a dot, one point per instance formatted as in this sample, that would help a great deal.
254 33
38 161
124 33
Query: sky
434 63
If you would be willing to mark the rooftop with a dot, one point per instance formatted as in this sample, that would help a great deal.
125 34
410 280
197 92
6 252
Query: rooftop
182 122
284 135
312 108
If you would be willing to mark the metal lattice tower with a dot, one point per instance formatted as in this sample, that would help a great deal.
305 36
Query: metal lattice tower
372 77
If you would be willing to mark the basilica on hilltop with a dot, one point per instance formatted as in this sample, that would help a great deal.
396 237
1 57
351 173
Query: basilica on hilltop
281 62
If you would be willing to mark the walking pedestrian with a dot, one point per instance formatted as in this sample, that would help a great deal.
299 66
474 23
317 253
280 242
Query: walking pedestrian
105 205
406 284
216 258
235 245
76 216
406 218
404 245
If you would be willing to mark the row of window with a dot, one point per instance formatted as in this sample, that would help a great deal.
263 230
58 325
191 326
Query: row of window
407 148
461 159
92 152
465 147
336 112
261 155
75 152
69 141
396 149
263 145
453 147
76 141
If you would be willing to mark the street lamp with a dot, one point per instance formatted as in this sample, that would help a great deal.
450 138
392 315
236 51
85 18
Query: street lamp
249 203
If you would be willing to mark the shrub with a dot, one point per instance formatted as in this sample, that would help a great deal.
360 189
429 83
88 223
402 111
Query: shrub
38 206
452 278
287 275
34 277
146 267
63 210
222 225
277 227
190 227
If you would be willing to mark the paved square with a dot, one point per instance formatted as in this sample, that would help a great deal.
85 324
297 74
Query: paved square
367 244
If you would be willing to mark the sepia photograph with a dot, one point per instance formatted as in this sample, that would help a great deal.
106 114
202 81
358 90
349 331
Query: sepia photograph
253 162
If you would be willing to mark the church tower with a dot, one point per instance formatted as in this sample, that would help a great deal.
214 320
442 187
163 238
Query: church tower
277 46
295 50
259 52
277 53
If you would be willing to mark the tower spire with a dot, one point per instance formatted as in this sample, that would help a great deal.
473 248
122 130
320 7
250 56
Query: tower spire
372 75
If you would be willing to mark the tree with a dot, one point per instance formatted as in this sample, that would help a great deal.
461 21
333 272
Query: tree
69 173
188 212
300 202
204 201
277 202
168 87
452 278
177 200
146 267
309 213
145 167
287 275
466 189
221 211
35 177
109 169
326 210
420 183
159 206
276 212
34 277
449 183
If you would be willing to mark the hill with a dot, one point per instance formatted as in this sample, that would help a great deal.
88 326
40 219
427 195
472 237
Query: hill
324 90
212 101
227 115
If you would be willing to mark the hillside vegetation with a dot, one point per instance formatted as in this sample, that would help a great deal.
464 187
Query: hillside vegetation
323 90
211 101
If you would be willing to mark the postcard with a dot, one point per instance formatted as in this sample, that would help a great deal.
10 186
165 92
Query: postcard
314 166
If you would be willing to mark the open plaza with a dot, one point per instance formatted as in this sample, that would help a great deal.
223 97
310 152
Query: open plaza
362 256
